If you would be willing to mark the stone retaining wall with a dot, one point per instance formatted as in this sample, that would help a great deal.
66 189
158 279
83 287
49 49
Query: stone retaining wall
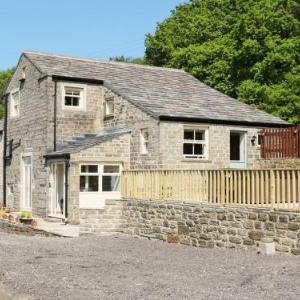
9 227
213 226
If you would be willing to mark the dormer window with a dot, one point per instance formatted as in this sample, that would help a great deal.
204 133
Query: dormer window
15 104
109 107
73 97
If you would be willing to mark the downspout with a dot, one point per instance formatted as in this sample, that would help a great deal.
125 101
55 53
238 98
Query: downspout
67 165
54 115
5 98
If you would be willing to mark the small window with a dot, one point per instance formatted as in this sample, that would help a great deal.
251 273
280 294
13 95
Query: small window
73 97
89 178
195 143
15 104
111 178
109 107
144 141
258 140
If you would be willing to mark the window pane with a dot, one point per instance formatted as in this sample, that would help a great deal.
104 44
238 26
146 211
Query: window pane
187 148
89 183
82 183
93 169
145 135
198 149
93 185
111 169
110 183
200 135
89 169
75 101
68 101
76 92
188 134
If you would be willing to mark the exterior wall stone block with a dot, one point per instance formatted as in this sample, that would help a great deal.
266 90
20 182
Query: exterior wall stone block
201 225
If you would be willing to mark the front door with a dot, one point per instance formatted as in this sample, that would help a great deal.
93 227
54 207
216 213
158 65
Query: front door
238 150
57 185
27 183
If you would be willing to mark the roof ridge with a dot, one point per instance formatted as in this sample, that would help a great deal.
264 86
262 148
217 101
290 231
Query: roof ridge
101 61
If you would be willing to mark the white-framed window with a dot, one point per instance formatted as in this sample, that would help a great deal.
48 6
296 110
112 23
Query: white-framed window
144 140
111 178
100 178
15 103
89 178
73 96
109 107
195 143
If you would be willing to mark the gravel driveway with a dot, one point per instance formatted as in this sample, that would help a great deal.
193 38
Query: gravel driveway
128 268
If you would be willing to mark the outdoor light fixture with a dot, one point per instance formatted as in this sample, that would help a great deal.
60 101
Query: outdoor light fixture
253 139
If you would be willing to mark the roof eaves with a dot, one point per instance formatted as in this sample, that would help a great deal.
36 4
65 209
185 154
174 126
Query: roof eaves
225 122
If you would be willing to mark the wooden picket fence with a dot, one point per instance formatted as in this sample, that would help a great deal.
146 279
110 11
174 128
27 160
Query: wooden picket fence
277 189
280 143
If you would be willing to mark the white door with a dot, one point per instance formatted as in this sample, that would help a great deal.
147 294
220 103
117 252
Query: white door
57 184
27 183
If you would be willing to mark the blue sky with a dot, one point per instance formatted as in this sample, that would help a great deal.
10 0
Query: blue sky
90 28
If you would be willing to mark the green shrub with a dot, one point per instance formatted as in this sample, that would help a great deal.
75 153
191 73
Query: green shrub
26 214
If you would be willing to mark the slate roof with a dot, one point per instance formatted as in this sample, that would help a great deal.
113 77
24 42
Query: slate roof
86 141
162 92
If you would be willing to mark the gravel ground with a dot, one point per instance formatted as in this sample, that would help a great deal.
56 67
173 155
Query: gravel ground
127 268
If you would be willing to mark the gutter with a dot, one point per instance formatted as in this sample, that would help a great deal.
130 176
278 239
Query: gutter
76 79
222 122
5 98
67 165
54 115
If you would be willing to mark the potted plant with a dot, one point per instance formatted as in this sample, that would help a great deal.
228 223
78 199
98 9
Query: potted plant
26 217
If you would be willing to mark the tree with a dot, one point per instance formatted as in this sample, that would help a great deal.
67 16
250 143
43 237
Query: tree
248 49
122 58
5 77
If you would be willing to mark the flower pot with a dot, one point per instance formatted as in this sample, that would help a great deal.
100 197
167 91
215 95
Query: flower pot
26 221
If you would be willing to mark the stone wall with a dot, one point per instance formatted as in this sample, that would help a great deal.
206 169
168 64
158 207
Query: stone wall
29 132
1 166
213 226
128 115
171 146
115 150
283 163
9 227
72 122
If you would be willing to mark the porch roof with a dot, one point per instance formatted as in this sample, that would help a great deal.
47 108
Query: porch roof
163 93
85 141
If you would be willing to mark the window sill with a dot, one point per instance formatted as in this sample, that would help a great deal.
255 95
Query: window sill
108 117
202 160
74 108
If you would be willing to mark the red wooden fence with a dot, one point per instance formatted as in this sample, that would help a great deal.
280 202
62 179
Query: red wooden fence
280 143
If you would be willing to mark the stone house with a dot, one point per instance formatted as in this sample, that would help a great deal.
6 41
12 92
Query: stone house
72 125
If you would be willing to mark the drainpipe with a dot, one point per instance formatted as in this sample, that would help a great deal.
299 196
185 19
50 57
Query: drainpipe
5 99
67 165
54 115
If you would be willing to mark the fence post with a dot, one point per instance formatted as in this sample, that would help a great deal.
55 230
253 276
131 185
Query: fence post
272 188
